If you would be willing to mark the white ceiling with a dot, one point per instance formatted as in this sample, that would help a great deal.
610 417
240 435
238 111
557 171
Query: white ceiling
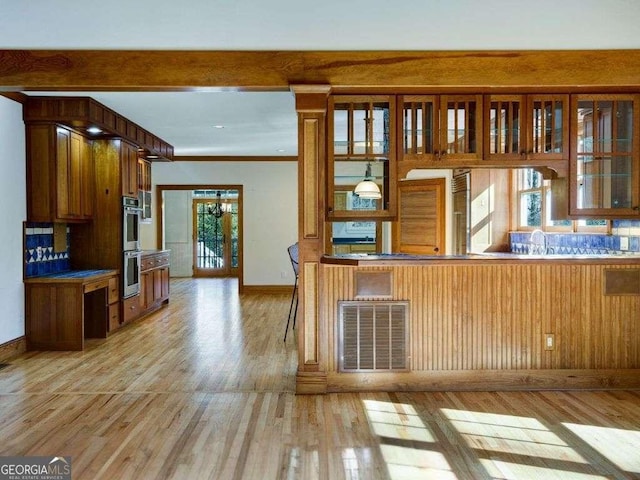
265 123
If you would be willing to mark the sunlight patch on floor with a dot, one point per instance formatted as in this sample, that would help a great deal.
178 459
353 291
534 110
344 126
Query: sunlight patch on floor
409 448
510 434
501 470
620 447
397 421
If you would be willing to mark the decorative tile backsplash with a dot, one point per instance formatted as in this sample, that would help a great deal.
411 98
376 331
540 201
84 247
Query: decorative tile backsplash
585 243
38 251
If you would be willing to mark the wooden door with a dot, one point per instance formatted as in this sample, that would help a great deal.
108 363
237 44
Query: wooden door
420 227
217 239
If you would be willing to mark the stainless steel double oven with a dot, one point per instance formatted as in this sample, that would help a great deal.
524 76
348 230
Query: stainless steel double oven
131 212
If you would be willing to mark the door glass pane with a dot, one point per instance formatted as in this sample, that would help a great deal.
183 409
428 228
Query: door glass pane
504 127
547 126
461 127
604 172
234 235
210 252
380 128
341 129
361 119
418 128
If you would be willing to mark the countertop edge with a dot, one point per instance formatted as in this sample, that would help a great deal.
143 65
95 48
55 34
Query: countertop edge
375 261
81 280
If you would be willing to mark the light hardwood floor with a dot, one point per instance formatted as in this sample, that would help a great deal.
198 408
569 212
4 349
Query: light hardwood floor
204 389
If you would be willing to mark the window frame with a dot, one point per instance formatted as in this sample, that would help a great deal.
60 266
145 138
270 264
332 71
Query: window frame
576 225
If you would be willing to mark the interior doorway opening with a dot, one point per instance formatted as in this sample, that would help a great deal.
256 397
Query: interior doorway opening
216 233
219 251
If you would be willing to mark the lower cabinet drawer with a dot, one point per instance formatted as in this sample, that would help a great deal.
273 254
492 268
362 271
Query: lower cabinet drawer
114 316
131 308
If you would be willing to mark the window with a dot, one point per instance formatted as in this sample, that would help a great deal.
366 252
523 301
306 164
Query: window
533 194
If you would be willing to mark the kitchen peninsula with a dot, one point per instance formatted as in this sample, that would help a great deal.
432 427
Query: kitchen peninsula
488 321
424 319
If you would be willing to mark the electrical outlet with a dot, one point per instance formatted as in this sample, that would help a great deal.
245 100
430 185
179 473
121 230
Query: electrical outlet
283 274
624 243
549 341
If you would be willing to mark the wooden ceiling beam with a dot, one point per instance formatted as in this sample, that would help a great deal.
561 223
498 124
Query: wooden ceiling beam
162 70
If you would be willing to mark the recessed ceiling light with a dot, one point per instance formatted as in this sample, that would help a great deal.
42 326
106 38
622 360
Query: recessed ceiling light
94 130
218 126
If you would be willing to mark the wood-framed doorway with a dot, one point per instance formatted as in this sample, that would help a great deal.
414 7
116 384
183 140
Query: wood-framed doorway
216 238
160 191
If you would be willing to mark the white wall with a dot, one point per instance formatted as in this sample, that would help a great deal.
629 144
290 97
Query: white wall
270 210
13 199
178 231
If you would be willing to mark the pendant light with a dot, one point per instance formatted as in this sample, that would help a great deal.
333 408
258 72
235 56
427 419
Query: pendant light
367 188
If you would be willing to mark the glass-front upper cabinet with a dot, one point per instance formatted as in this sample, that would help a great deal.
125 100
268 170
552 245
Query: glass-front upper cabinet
603 172
526 127
438 130
361 157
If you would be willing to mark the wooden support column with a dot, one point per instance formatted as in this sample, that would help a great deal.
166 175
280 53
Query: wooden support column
311 105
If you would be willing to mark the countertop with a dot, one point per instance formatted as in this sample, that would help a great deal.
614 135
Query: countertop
72 276
363 259
153 252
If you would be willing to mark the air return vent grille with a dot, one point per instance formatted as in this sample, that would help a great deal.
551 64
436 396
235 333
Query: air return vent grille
373 336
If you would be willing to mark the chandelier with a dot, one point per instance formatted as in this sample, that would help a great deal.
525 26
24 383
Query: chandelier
219 208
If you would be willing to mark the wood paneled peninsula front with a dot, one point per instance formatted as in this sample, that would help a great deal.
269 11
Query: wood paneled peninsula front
481 322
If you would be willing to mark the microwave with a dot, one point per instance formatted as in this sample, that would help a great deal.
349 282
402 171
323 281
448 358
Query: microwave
131 213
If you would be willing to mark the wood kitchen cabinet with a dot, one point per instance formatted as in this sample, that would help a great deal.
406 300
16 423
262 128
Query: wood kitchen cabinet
361 146
60 183
526 128
144 189
604 173
129 169
154 280
439 131
62 310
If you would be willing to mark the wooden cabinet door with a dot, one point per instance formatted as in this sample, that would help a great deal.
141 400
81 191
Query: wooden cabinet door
420 228
146 290
505 127
164 273
361 137
129 169
547 127
60 183
87 182
604 174
157 284
460 128
67 194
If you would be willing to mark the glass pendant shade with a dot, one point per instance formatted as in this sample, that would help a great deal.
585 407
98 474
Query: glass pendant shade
368 189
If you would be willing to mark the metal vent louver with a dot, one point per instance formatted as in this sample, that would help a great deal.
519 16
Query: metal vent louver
373 336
